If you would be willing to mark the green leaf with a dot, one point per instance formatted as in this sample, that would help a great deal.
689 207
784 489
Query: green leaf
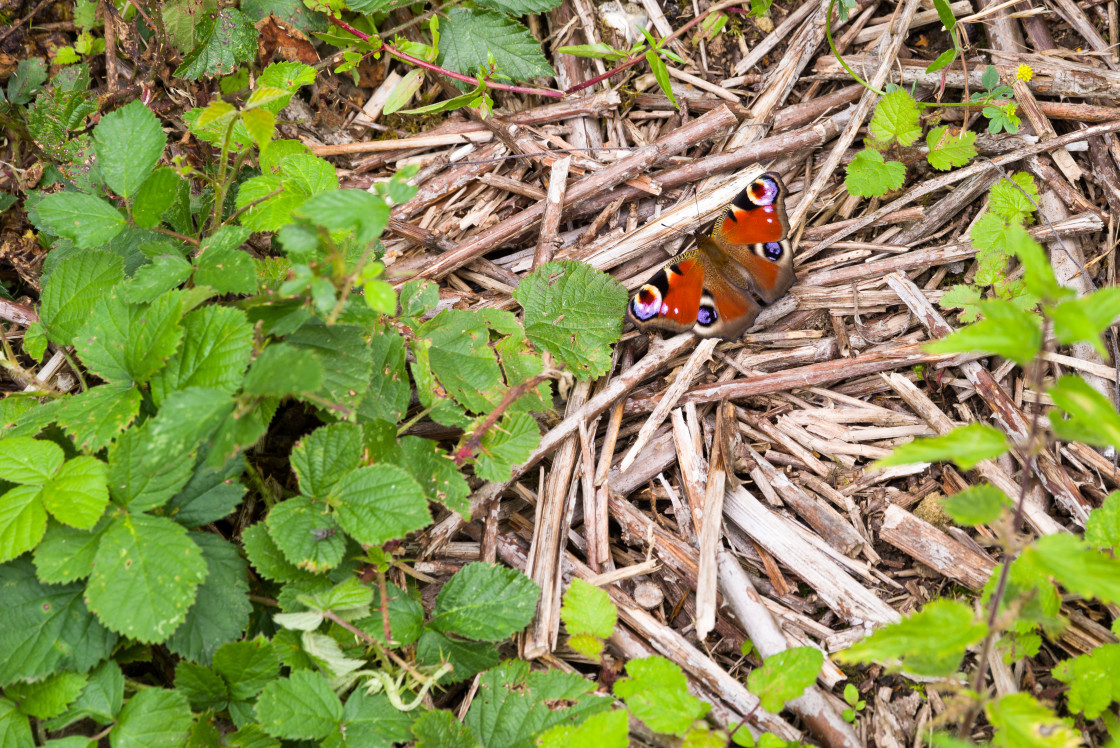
588 611
27 80
49 697
372 721
153 718
266 557
1023 722
340 210
406 617
164 273
221 610
294 12
73 288
459 354
129 143
990 78
140 478
66 554
966 446
930 642
224 267
656 692
86 220
438 729
217 343
1093 678
469 37
46 629
389 390
435 471
1006 330
965 298
947 150
661 75
521 7
403 92
784 676
1082 570
869 175
100 700
343 351
261 124
29 461
1086 318
155 197
241 431
486 602
1103 528
1008 201
326 455
943 60
145 577
77 495
247 666
418 297
283 370
896 119
1088 415
204 688
35 341
508 443
181 19
306 533
125 342
978 505
379 503
223 40
1038 275
604 730
186 419
23 520
15 728
575 313
300 707
466 657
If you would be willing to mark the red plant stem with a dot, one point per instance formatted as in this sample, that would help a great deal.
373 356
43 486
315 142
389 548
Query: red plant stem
473 444
443 71
638 58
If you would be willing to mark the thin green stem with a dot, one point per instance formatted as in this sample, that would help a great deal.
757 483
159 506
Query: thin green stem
837 55
223 177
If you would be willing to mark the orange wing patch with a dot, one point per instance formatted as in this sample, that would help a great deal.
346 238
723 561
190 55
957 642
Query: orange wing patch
754 226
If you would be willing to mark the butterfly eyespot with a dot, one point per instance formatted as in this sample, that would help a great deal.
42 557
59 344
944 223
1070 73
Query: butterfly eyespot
772 251
764 191
646 303
706 316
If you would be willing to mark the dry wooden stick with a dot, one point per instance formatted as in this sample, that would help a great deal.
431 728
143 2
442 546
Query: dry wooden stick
812 706
549 241
935 549
712 529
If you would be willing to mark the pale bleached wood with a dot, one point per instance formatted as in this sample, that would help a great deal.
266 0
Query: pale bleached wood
688 459
924 542
712 527
549 242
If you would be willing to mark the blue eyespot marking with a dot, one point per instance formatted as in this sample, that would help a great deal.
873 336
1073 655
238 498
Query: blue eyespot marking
706 316
773 251
646 303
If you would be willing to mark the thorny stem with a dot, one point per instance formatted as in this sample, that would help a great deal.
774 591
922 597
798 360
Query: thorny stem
384 590
444 71
473 444
181 237
1020 506
642 56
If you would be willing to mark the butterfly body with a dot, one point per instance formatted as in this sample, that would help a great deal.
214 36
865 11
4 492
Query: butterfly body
711 290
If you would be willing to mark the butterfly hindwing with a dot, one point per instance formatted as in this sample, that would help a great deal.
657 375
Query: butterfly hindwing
709 290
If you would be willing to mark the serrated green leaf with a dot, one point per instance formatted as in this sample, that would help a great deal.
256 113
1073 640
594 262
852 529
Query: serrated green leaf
46 629
267 558
66 554
784 676
247 666
15 727
1008 201
1023 722
406 617
930 642
145 577
379 503
261 123
153 718
588 610
575 313
965 446
204 688
29 461
27 80
300 707
23 520
469 37
224 39
1088 415
306 534
1006 330
283 370
73 288
869 175
978 505
211 494
223 267
217 343
139 478
49 697
1082 570
371 720
125 342
439 729
389 390
466 657
508 443
240 431
896 119
521 7
1087 318
155 197
435 472
221 609
457 345
77 494
100 700
181 19
86 220
965 298
656 692
1102 530
605 730
164 273
1093 678
129 143
343 351
348 210
486 602
326 455
947 150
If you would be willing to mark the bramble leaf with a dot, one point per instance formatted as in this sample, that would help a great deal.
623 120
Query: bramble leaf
869 175
1006 330
896 119
947 150
508 443
129 143
656 692
224 39
784 676
485 602
978 505
965 446
379 503
469 37
300 707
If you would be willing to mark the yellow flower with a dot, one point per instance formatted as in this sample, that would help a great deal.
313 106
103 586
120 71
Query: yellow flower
1024 73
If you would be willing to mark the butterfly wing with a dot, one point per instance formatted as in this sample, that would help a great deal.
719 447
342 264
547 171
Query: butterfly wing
690 294
754 232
